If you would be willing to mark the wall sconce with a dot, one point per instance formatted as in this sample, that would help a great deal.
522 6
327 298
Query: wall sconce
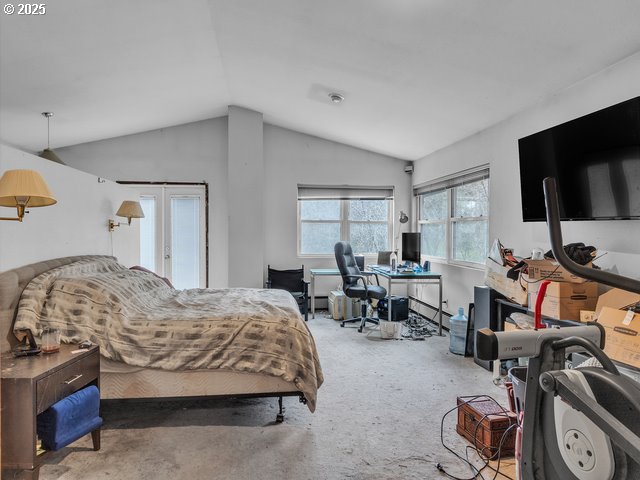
129 209
23 189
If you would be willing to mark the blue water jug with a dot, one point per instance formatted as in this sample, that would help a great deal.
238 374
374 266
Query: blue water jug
458 332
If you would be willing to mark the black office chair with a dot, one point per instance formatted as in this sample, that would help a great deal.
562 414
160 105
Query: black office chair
293 282
350 276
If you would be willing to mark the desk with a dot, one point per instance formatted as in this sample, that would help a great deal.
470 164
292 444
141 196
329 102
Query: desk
324 272
412 277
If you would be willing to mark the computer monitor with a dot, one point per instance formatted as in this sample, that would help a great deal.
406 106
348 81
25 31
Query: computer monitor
384 257
411 247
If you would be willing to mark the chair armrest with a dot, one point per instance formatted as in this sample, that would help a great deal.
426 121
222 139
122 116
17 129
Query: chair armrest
369 273
364 281
305 287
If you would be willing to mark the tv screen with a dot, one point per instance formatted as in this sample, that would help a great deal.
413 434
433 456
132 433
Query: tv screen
411 247
595 160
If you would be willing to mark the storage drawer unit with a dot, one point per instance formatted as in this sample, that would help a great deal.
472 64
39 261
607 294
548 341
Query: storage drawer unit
30 385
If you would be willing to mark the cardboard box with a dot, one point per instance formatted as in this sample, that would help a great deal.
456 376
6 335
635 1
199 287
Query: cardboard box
622 341
587 316
496 278
618 299
564 301
551 270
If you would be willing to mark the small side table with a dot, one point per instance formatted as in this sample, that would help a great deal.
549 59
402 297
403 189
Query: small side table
30 385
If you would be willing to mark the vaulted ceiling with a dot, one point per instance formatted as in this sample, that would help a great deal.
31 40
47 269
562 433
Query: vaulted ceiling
417 75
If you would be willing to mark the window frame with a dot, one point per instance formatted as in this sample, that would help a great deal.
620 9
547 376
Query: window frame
450 221
345 224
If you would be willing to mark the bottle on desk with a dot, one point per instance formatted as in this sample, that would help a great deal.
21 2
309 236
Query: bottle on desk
393 261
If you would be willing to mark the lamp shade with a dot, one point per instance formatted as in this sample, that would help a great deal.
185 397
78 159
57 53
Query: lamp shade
130 209
26 188
49 154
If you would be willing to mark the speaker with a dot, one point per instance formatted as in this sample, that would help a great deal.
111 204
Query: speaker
485 316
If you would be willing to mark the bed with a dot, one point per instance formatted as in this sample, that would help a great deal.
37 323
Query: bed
157 342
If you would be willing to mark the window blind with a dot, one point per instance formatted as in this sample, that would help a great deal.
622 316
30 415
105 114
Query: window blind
461 178
344 192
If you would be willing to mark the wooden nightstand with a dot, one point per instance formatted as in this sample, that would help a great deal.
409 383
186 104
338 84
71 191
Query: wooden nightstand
30 385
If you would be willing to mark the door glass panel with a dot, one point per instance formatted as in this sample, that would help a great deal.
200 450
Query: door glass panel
148 233
185 242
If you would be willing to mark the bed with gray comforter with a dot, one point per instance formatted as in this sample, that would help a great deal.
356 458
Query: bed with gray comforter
137 319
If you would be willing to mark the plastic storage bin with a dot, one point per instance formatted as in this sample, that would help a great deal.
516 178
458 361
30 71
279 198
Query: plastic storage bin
518 377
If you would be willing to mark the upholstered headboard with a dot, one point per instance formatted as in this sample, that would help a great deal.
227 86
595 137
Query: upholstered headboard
12 283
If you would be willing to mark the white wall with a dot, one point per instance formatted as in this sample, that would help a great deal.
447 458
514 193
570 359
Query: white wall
293 158
246 198
76 225
200 151
193 152
498 146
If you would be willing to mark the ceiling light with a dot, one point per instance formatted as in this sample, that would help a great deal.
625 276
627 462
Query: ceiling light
336 97
47 153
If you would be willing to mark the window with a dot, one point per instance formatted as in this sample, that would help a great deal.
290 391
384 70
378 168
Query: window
454 217
361 216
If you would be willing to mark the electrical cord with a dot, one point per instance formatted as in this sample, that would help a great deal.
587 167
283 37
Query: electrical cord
477 472
417 328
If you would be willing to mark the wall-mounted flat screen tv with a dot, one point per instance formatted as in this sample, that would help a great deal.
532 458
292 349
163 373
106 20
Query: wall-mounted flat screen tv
595 160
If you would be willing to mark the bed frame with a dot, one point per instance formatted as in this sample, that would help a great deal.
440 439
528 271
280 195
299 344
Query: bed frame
119 381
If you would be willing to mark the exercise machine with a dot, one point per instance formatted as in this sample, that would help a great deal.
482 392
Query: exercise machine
579 424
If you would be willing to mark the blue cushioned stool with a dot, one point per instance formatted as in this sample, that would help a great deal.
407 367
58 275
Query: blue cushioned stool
71 418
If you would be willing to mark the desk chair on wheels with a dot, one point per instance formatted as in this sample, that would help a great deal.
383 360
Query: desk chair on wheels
351 274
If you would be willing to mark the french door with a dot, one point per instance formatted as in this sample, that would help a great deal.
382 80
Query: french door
173 233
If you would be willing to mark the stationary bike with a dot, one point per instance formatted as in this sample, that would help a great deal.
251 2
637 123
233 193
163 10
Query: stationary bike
579 424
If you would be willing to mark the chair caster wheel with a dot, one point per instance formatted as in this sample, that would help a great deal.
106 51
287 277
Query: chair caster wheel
360 330
342 324
279 418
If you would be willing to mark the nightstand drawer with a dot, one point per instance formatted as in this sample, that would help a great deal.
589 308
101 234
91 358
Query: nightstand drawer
66 381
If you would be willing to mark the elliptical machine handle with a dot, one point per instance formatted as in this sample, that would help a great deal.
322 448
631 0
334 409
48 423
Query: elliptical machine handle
590 347
555 236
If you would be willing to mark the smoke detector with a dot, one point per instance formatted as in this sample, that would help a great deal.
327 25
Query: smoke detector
336 97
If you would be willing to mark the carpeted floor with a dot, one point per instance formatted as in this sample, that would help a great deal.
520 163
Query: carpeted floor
378 417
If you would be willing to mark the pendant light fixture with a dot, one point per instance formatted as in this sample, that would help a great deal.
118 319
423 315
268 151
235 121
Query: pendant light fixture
47 153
